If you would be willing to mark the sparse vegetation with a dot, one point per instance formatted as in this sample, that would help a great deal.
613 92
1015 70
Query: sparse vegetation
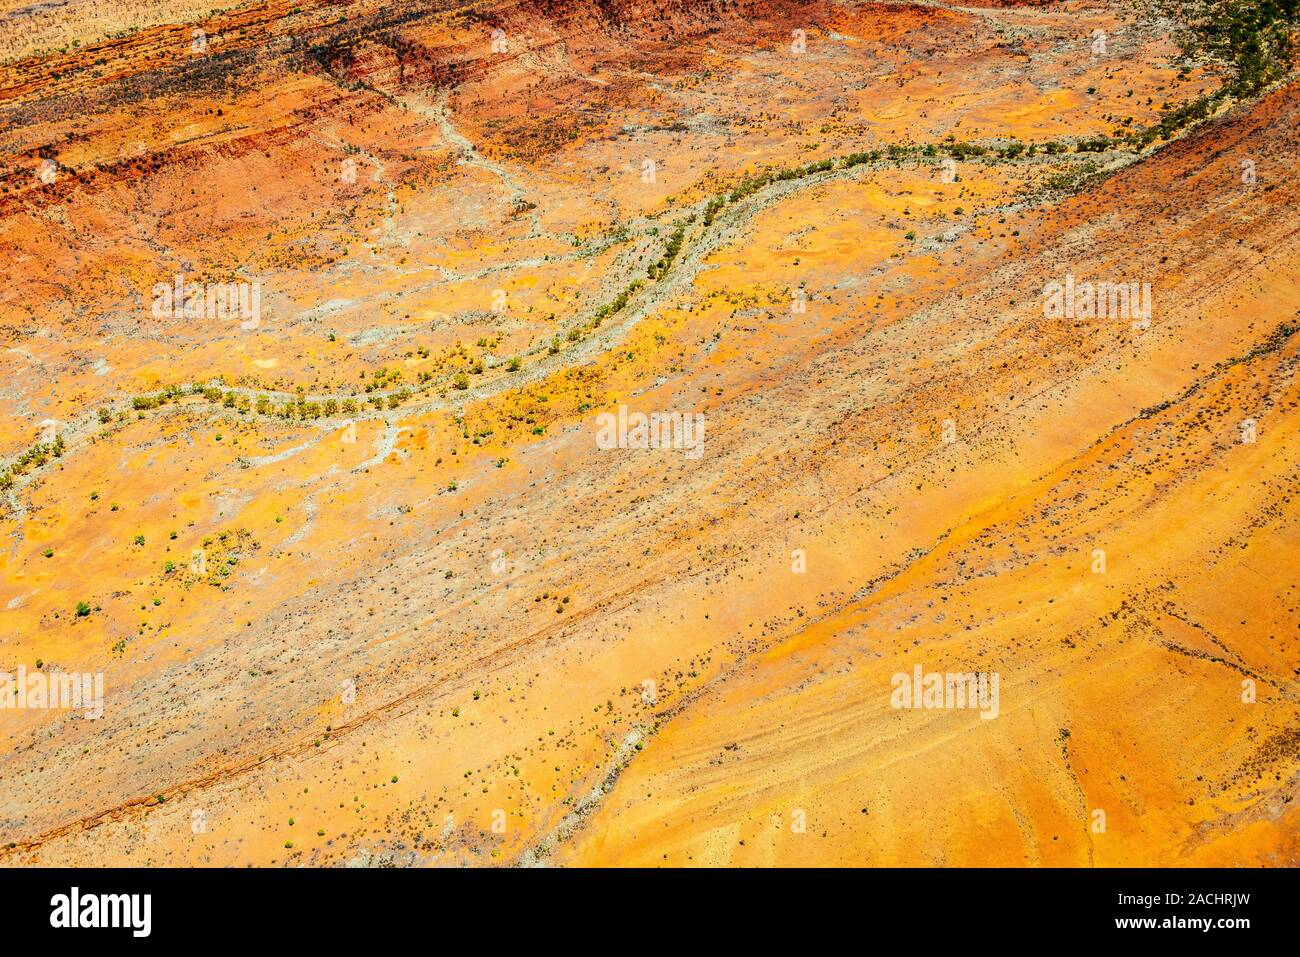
1254 40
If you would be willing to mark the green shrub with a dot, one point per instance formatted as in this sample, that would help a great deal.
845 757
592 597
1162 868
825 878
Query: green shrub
1255 39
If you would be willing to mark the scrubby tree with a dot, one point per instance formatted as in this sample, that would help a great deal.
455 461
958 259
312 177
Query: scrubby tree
1255 38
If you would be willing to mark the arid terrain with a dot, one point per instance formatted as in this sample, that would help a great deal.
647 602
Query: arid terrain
366 585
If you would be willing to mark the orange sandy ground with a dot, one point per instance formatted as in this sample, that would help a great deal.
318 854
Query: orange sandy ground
431 644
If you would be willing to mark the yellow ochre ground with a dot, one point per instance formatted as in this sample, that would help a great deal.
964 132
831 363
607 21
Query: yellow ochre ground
444 627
